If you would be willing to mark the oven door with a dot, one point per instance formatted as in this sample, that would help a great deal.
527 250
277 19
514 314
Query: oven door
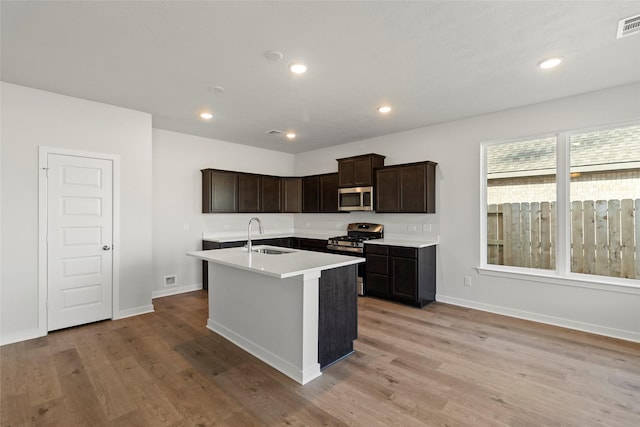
355 199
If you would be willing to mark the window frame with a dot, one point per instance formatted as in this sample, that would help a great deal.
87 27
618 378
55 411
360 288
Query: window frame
562 274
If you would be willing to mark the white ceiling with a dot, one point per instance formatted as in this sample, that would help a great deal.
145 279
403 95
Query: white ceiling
432 61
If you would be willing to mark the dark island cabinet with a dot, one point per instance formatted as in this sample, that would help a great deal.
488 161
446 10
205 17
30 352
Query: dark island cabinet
291 195
402 274
408 188
358 171
219 191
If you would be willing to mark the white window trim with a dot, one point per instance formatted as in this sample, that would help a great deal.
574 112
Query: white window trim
562 274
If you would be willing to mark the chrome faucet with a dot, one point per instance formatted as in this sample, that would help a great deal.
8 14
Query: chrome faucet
249 232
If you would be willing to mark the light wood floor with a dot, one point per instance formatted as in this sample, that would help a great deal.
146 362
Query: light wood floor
442 366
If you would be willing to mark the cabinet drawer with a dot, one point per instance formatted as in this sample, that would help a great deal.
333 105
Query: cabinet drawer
377 264
403 252
376 249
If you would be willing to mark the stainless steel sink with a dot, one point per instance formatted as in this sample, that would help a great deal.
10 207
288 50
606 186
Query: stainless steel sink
270 251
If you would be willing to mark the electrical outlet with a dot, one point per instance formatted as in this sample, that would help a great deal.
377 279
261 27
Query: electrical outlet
467 281
426 228
412 228
170 280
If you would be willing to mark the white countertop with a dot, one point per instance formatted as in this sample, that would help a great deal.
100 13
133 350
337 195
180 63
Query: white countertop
402 242
294 263
321 235
235 237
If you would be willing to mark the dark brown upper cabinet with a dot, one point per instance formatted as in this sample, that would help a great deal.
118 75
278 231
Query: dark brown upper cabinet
310 194
329 192
358 171
258 193
249 192
219 191
408 188
271 193
320 193
291 195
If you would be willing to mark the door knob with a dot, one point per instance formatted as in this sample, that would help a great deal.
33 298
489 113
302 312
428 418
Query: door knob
106 247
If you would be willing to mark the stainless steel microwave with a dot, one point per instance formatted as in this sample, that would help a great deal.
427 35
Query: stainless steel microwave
355 199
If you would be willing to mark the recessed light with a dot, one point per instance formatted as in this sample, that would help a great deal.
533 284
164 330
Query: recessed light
384 109
550 63
291 135
206 116
298 68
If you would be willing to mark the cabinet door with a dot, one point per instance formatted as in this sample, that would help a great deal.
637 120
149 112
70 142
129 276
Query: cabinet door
404 277
270 194
387 185
310 194
329 193
292 195
346 172
376 285
248 192
413 189
219 191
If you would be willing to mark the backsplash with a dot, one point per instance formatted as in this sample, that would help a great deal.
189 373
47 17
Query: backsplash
409 226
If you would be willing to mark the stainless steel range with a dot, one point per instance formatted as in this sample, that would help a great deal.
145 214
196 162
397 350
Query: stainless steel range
357 233
353 244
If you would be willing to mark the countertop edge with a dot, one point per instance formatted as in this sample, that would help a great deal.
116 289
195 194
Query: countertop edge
300 272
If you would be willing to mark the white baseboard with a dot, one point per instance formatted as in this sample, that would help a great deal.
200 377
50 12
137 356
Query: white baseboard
174 290
543 318
287 368
134 311
20 336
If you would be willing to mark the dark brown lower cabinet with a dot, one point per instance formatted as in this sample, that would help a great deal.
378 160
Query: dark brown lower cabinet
401 273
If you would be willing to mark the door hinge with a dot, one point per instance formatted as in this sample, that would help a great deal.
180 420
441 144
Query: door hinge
46 172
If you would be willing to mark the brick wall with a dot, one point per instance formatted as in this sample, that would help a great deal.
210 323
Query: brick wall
623 184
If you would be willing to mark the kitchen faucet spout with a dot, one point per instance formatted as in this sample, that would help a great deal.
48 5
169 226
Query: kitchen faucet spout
256 219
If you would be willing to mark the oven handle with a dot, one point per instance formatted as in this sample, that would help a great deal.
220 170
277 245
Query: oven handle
344 249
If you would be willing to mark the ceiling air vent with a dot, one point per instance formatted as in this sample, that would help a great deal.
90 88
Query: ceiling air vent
275 132
628 26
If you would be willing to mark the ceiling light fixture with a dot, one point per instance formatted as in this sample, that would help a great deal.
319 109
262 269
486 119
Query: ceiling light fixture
384 109
291 135
206 116
550 63
298 68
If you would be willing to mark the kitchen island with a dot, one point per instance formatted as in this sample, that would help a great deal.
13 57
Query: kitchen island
295 310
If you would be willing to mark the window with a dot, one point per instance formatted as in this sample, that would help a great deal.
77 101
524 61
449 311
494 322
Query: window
521 203
568 203
605 202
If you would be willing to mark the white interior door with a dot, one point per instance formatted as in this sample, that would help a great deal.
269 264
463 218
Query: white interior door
79 240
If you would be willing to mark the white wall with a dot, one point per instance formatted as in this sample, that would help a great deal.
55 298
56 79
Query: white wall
178 223
455 146
31 118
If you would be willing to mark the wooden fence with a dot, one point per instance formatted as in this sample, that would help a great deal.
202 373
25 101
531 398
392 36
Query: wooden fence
605 236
